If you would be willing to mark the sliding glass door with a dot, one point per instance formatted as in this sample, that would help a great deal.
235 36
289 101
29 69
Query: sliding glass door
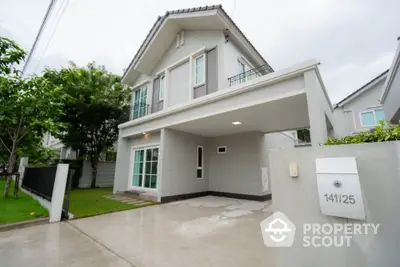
139 108
145 168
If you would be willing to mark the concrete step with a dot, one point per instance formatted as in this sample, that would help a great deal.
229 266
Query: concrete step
148 197
134 194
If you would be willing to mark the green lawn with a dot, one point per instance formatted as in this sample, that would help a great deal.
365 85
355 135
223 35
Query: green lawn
18 209
89 202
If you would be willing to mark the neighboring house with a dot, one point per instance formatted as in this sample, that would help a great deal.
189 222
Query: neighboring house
50 141
391 93
362 109
207 109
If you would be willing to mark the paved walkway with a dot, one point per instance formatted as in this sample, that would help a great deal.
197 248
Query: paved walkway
129 200
207 231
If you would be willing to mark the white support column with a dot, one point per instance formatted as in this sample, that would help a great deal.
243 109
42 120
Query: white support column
166 89
190 78
122 171
23 163
57 199
316 113
160 164
149 97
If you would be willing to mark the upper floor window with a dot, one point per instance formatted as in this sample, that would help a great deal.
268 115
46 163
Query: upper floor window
241 67
139 108
372 117
162 88
199 70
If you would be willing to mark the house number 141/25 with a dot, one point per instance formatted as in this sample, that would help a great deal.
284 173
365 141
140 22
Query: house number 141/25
339 198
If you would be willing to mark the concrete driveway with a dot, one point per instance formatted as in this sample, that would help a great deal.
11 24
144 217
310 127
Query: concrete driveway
206 231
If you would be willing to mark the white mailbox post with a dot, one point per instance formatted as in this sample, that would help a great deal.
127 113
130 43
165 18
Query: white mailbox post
339 188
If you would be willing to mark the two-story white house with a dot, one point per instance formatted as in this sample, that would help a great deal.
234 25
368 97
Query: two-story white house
205 109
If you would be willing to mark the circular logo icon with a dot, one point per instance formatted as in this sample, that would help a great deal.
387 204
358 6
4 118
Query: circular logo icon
337 184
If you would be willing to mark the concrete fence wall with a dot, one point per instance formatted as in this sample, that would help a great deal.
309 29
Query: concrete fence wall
55 206
105 174
379 172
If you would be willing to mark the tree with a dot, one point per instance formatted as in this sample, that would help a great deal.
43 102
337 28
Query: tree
96 102
28 106
10 56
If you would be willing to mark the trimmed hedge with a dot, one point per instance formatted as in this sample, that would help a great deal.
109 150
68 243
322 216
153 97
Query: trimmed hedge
381 133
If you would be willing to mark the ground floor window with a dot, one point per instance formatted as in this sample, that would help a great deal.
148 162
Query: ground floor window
200 159
145 167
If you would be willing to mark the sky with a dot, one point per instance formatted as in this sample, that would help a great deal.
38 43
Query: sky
354 40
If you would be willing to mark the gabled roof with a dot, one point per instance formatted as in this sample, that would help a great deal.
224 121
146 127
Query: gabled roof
362 89
392 72
161 19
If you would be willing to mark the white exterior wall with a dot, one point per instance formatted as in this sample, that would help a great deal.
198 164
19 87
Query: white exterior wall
392 101
280 140
125 157
349 115
231 54
179 164
239 170
194 41
178 85
320 109
178 79
259 95
378 169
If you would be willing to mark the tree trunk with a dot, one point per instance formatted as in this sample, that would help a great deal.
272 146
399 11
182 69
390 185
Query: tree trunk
94 161
81 154
10 169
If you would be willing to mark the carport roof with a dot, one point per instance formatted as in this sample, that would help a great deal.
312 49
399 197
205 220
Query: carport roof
279 92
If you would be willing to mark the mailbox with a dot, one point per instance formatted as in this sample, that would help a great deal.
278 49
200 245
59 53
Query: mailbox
339 187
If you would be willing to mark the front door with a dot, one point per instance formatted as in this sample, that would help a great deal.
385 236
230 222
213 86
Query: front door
145 168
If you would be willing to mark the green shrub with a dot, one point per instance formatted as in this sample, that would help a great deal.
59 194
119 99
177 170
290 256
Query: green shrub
381 133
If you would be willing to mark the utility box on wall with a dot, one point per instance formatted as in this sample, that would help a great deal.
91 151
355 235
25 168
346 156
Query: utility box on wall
339 187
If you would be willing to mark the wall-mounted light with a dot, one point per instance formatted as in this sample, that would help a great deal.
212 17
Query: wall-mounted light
236 123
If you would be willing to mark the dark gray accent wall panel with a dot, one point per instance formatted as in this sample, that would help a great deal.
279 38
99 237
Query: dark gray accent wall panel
157 105
212 71
211 85
199 91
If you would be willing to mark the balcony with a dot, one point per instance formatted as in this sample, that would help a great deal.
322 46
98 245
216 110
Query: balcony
139 110
249 75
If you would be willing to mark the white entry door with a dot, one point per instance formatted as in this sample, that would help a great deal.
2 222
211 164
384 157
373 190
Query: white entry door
145 167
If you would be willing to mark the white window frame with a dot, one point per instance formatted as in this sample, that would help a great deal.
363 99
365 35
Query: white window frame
202 162
182 38
195 70
131 165
162 78
242 64
247 66
178 40
373 114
